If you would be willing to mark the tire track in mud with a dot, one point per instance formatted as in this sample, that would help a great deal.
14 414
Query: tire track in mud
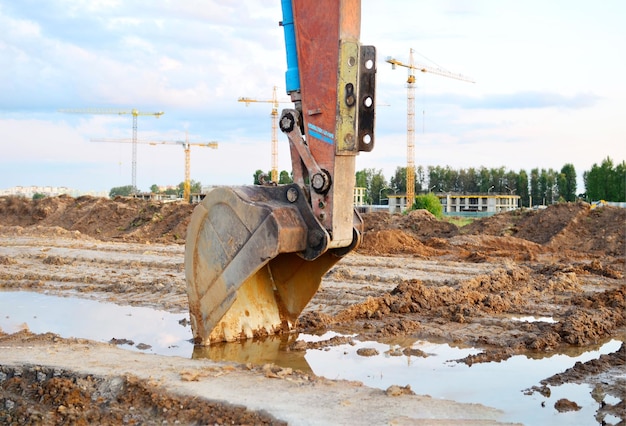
126 274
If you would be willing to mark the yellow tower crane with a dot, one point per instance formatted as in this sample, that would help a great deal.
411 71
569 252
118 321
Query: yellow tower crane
410 119
186 146
274 101
132 112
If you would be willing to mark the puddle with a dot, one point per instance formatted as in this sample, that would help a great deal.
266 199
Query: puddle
534 319
496 384
74 317
433 372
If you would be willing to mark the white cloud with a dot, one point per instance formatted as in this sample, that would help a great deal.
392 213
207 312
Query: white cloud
549 85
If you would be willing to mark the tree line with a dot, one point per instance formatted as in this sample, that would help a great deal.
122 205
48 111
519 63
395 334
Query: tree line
539 187
128 190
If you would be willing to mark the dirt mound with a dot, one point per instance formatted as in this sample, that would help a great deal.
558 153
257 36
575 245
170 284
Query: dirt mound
592 316
419 223
128 219
499 224
480 248
393 241
599 230
565 226
417 233
538 226
547 223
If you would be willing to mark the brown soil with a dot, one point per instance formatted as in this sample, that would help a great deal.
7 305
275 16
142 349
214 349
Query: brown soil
122 219
413 276
41 395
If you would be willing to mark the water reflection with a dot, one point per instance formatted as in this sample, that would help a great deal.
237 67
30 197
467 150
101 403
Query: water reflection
273 349
428 367
156 331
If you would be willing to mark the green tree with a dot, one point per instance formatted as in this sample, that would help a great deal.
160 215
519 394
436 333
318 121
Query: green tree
123 191
398 180
451 180
468 181
154 189
606 182
497 180
547 186
38 196
510 182
194 187
436 179
373 181
429 202
260 174
535 195
620 182
522 188
284 178
362 179
377 183
420 178
484 180
566 182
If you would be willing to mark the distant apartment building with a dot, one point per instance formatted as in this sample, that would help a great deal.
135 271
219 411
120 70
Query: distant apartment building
48 191
464 204
359 196
29 191
478 203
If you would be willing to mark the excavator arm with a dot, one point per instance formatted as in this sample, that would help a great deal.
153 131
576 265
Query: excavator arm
256 255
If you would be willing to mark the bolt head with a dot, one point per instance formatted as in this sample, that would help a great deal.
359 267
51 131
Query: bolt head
292 195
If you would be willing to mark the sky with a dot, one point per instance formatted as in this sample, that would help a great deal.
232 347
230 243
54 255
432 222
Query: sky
550 86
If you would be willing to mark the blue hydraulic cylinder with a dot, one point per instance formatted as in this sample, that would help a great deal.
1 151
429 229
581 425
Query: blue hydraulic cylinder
292 76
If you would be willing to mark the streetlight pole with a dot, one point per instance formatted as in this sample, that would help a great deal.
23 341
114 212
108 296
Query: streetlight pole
431 188
490 188
380 195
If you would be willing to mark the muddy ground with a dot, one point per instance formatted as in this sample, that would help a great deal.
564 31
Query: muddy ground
413 276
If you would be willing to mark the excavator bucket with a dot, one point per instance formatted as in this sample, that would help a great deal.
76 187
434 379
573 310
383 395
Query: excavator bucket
256 255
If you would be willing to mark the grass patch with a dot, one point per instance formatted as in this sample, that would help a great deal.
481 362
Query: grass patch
459 221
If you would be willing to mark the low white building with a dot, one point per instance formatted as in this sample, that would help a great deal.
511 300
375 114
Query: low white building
464 203
478 203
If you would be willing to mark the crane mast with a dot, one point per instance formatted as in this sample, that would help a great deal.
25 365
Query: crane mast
410 134
410 116
135 113
274 115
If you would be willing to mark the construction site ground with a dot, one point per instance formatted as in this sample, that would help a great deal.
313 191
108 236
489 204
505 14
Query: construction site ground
413 276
